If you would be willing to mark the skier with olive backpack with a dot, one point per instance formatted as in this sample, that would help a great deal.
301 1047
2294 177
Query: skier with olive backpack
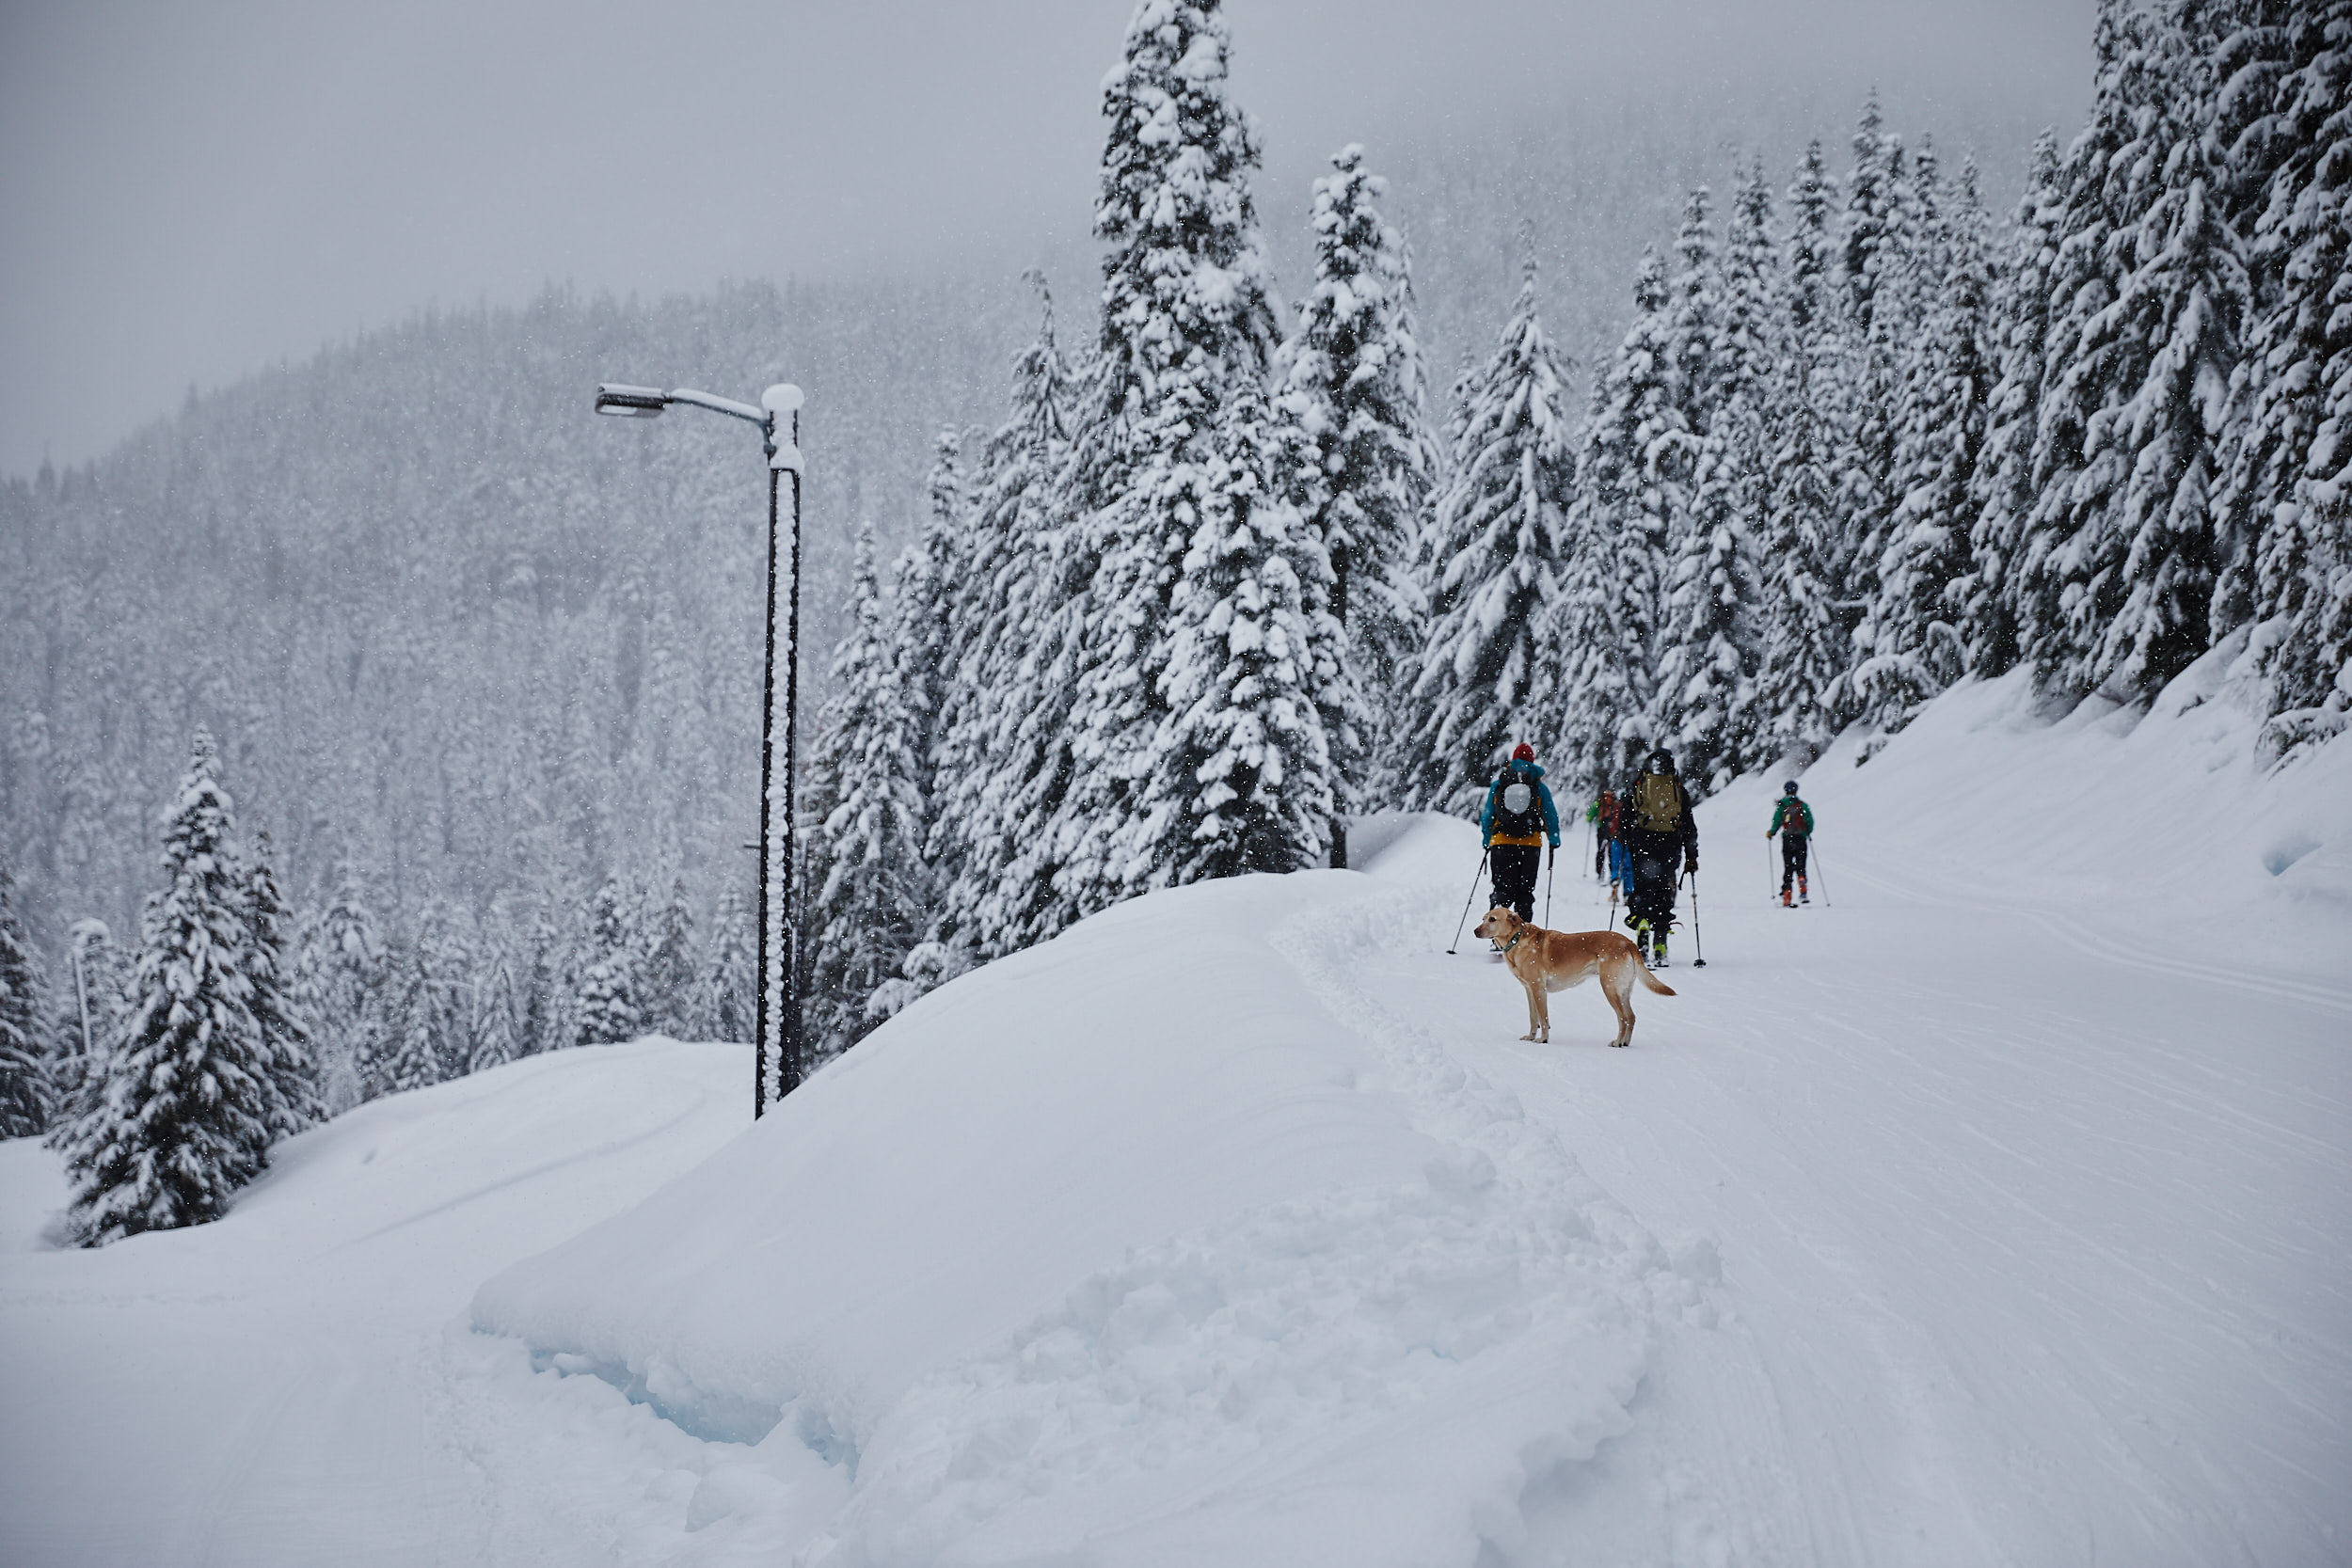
1517 820
1654 824
1792 819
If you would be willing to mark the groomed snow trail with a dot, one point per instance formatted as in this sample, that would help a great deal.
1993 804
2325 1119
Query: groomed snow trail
2029 1255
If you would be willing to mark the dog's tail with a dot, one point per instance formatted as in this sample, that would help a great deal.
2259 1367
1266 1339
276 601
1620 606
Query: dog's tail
1651 980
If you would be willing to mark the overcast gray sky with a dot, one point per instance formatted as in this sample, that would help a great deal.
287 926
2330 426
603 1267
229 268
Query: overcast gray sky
189 192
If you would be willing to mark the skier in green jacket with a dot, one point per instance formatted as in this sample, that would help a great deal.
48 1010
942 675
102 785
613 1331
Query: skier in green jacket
1793 820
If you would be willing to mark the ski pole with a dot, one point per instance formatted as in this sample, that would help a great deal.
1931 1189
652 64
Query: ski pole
1465 903
1698 943
1817 871
1770 892
1548 862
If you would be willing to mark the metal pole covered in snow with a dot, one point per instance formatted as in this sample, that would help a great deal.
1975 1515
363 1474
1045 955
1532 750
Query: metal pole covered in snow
777 1015
779 991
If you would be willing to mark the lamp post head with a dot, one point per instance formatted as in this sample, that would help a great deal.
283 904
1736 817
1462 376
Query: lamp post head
634 403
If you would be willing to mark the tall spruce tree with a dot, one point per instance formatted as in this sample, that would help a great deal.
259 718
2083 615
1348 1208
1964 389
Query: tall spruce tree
1801 656
930 582
608 1009
291 1060
1352 378
181 1117
730 994
1707 687
497 1023
865 853
25 1081
1874 236
1243 779
1611 591
1496 545
2144 384
1005 767
1187 315
87 1018
339 988
666 996
2287 518
1912 629
2003 490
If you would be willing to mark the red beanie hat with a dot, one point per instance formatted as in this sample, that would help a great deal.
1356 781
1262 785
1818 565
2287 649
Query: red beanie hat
1524 754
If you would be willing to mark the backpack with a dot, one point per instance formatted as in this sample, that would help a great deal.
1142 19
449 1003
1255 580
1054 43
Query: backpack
1796 817
1657 802
1518 805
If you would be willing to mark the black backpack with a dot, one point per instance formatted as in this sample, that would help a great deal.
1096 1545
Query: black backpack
1528 818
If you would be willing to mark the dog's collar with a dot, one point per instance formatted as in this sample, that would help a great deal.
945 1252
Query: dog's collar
1515 937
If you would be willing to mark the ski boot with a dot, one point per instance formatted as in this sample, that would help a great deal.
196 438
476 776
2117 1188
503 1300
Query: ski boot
1787 902
1657 946
1804 896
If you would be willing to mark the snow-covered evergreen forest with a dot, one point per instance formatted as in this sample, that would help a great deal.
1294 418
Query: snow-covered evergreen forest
1222 571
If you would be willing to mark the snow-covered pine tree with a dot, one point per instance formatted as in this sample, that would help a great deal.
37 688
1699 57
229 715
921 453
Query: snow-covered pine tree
730 993
1707 688
1694 323
2287 551
1240 778
2145 377
181 1119
608 1010
864 853
1187 314
25 1081
411 1056
1876 237
496 1028
2003 490
550 1000
88 1015
1489 671
430 1006
1803 651
290 1058
665 997
1005 767
1611 585
1912 629
339 989
928 596
1352 376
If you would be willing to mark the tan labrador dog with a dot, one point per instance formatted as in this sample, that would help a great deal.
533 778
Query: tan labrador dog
1545 961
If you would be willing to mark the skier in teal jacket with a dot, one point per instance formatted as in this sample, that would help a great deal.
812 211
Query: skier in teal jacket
1792 819
1517 820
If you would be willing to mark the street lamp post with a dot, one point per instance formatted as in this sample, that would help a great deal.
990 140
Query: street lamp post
778 416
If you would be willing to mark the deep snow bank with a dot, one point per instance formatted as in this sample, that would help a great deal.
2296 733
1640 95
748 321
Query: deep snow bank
282 1387
1158 1244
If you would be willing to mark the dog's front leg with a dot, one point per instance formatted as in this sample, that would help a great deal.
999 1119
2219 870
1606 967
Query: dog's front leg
1535 1002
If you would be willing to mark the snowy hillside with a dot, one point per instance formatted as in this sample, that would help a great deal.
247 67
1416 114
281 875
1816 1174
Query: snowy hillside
1991 1212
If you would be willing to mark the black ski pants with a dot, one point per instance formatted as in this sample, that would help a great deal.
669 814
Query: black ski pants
1656 863
1514 867
1792 859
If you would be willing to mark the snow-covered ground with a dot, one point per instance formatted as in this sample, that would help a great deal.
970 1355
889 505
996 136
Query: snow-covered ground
1999 1211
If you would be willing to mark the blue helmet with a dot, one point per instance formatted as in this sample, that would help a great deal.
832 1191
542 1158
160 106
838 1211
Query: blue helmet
1789 788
